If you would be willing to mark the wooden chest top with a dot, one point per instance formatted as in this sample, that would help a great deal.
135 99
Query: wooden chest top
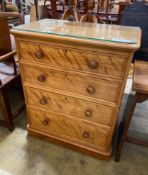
83 33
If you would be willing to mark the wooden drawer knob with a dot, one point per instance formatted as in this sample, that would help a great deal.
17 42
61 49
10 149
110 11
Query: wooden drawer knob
88 113
45 121
41 78
39 54
85 134
93 64
65 50
90 89
43 101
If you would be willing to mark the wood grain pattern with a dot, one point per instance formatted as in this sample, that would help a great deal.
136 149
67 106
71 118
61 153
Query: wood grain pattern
76 107
96 88
71 143
49 122
140 81
107 64
65 76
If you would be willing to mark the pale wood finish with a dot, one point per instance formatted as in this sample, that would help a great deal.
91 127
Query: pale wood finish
107 64
61 86
89 33
93 87
50 122
67 105
140 82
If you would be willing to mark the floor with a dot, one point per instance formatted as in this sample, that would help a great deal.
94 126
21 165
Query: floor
25 155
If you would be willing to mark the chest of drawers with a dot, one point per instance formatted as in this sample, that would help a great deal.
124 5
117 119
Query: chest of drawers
73 88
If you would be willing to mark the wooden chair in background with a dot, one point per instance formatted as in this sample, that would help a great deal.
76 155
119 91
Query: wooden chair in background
82 10
140 86
53 8
11 11
90 16
13 18
120 9
8 7
9 74
83 5
71 13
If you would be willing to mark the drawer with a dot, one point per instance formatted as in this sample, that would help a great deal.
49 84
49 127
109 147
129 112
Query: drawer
49 123
92 87
70 106
83 60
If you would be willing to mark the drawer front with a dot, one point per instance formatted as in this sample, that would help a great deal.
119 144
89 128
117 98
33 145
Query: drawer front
70 106
93 87
95 62
49 122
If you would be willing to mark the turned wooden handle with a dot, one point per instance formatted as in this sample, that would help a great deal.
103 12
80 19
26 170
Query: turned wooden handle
45 121
93 64
41 78
88 113
43 101
90 89
65 50
39 54
85 134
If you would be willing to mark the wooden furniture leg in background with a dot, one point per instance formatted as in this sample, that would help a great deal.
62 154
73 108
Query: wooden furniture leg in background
124 126
9 75
6 110
140 86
